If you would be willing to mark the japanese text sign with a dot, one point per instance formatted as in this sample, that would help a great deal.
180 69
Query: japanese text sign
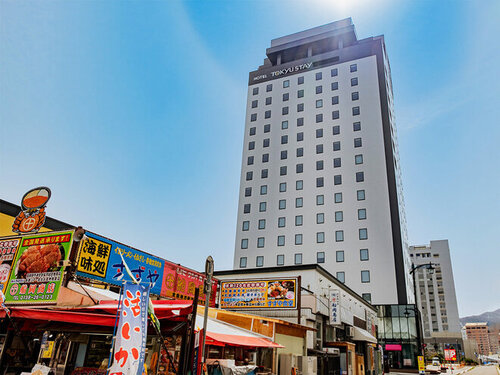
99 259
450 354
259 294
180 283
37 271
130 342
334 303
8 248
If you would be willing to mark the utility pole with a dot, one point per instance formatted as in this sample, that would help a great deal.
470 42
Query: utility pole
207 288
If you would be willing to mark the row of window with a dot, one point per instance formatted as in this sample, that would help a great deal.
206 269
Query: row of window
300 108
300 80
300 94
320 199
300 122
266 142
337 162
299 168
320 238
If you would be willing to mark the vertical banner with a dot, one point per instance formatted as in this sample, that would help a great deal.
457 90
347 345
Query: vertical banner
8 250
335 307
130 342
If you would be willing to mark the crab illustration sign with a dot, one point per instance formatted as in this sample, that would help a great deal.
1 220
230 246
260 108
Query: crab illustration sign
37 271
99 259
32 216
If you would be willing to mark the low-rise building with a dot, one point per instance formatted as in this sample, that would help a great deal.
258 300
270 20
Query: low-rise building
479 333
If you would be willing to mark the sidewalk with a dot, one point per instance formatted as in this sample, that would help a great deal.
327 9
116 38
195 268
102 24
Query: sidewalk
449 372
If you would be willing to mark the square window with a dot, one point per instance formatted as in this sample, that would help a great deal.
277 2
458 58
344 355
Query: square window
300 152
262 206
284 111
320 182
353 68
244 243
255 91
284 154
299 202
358 159
298 220
283 171
319 149
264 173
335 100
282 204
249 176
269 87
267 114
299 185
337 163
355 111
248 192
358 142
320 200
281 222
334 72
243 262
354 81
282 187
300 94
363 254
319 117
335 115
339 235
280 259
300 107
339 256
363 234
320 257
320 218
286 84
254 103
340 277
266 142
300 121
253 131
269 100
245 226
284 125
259 261
338 197
299 168
263 190
367 297
284 139
250 160
298 258
253 117
336 130
355 95
251 145
320 237
337 179
298 239
260 242
339 216
281 240
335 86
267 128
300 137
300 80
319 103
319 165
365 276
319 133
362 214
265 158
360 195
360 176
319 76
356 126
319 89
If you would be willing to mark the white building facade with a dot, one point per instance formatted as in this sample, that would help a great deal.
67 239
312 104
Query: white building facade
320 180
436 297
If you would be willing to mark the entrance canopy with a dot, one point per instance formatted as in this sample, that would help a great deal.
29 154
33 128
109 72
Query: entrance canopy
362 335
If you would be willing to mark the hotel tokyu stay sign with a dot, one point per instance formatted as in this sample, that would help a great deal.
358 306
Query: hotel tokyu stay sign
284 71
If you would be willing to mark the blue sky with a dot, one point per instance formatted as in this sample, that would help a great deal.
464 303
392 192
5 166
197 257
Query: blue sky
133 113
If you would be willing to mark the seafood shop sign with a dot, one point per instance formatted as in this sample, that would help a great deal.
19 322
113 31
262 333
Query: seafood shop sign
37 271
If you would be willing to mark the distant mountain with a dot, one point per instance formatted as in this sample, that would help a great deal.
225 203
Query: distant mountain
491 317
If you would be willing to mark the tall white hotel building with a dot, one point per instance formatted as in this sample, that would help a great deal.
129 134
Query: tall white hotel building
320 177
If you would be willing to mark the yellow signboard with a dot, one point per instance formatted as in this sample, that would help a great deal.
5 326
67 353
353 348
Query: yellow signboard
47 351
259 294
93 257
421 364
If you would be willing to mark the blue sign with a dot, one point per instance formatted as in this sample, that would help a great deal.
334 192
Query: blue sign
146 268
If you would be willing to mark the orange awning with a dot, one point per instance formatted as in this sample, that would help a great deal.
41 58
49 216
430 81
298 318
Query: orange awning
235 340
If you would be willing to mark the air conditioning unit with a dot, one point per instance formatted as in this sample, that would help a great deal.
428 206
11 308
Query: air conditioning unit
349 331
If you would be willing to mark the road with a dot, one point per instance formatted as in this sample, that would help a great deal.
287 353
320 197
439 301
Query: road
484 370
